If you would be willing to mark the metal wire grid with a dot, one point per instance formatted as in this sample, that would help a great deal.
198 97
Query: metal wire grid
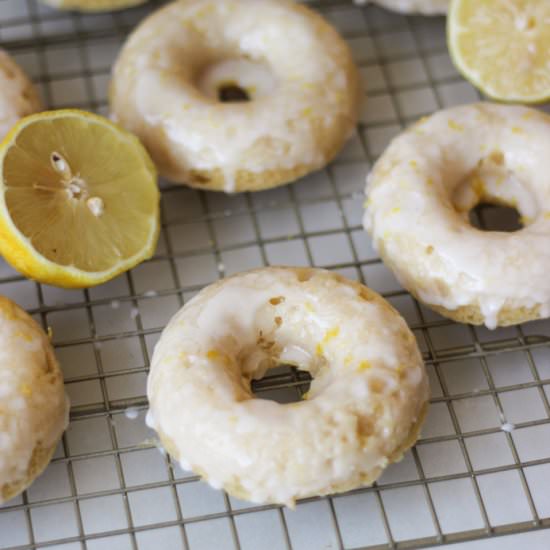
109 487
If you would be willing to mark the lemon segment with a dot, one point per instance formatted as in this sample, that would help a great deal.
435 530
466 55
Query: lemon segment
79 202
502 47
93 5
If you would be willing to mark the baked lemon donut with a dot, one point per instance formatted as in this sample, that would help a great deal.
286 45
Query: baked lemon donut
363 410
425 7
93 5
419 195
18 97
178 80
33 407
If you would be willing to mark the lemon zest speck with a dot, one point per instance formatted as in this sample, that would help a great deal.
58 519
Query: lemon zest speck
329 335
454 125
525 220
478 185
24 335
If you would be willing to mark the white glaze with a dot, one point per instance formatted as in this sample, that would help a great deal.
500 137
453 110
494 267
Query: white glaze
149 420
420 190
33 406
366 367
131 413
164 87
425 7
18 98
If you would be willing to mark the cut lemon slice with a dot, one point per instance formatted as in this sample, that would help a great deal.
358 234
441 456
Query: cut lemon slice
93 5
79 202
502 47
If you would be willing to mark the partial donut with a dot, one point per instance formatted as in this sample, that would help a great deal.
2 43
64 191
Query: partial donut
424 7
364 408
419 195
33 407
18 97
237 95
93 5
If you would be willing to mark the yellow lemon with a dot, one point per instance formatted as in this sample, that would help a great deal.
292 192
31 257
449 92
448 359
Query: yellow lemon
502 47
79 202
93 5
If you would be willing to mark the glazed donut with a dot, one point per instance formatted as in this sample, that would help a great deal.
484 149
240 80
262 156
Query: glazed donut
33 407
93 5
18 97
363 410
419 195
425 7
181 62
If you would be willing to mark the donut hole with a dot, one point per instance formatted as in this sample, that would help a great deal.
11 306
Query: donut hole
231 92
274 368
235 80
495 217
283 384
494 197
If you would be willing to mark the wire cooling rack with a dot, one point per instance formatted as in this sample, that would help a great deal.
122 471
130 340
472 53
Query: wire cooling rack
481 471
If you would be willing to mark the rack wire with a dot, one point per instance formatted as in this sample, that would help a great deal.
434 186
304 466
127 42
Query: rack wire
480 472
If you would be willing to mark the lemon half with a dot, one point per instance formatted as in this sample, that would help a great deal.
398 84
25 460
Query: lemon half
93 5
502 47
79 202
